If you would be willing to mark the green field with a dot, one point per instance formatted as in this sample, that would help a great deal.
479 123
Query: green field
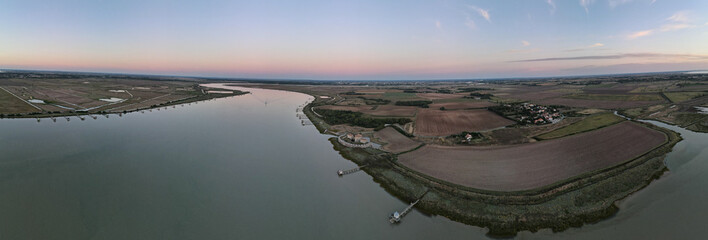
617 97
587 124
10 104
683 96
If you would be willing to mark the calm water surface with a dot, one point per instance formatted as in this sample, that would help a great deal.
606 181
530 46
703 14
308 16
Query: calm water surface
238 168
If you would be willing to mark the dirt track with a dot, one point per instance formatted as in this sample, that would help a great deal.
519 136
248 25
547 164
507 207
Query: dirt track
532 165
396 141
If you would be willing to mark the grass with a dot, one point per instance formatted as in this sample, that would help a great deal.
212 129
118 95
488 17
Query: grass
587 124
10 104
617 97
682 96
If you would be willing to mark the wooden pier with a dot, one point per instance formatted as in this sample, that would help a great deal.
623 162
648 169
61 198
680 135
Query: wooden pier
353 170
396 217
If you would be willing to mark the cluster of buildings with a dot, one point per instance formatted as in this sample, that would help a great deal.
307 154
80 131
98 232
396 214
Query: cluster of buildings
356 138
537 114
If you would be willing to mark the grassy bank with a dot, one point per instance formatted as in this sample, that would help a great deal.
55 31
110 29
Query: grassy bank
588 124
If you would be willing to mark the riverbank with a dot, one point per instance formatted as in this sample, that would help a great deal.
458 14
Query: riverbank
583 199
193 99
587 198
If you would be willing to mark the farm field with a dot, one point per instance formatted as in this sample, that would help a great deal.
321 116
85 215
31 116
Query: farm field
533 165
617 97
396 142
461 105
602 104
379 111
431 122
68 94
683 96
11 104
435 96
587 124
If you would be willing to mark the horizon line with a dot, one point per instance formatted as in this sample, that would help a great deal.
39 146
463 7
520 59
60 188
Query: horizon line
3 70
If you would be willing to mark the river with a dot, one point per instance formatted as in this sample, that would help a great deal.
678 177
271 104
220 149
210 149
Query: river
238 168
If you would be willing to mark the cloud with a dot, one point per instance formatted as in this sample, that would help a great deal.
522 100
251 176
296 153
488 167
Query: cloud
553 6
678 21
482 12
525 43
438 24
585 4
469 23
619 56
615 3
596 45
652 2
640 34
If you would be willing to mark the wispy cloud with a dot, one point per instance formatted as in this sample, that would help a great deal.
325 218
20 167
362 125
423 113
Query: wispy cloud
482 12
438 24
586 4
469 22
615 3
525 43
619 56
553 6
596 45
639 34
681 17
678 21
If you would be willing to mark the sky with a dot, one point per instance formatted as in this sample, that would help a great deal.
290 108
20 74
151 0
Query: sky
356 40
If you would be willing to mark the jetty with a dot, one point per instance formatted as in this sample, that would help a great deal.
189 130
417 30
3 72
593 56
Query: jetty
396 217
353 170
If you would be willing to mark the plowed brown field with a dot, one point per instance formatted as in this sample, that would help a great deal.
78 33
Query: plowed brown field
533 165
382 110
432 122
397 142
461 105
